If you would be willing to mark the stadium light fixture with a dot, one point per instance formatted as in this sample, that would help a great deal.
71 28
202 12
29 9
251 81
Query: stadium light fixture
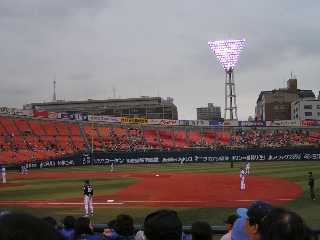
227 51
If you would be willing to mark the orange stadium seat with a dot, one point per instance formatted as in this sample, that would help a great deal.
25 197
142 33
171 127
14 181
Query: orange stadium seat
50 129
165 138
223 138
37 128
151 138
8 124
74 129
180 139
62 129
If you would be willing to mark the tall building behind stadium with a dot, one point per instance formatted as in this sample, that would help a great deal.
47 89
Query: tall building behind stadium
143 107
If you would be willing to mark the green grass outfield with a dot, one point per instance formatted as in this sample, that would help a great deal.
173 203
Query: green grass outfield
43 189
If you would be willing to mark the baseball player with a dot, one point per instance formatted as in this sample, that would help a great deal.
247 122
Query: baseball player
3 171
242 184
24 170
88 193
247 168
111 167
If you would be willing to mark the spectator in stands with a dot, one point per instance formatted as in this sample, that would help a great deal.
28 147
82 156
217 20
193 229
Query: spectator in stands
68 226
163 224
123 228
83 230
50 220
201 231
229 224
254 215
280 224
238 230
25 226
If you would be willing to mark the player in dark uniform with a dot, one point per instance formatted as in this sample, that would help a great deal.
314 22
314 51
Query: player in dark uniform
311 186
88 193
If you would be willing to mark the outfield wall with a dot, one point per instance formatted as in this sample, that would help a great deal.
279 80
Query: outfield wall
195 156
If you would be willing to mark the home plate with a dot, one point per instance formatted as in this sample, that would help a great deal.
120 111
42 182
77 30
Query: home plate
157 175
110 200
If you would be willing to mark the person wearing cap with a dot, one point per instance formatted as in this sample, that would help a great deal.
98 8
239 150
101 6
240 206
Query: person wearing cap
242 184
247 168
229 224
311 186
238 231
254 215
162 224
68 226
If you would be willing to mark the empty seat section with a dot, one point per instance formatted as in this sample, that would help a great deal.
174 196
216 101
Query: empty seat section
62 129
209 138
37 128
151 138
79 142
104 132
2 131
7 123
49 143
195 138
23 127
165 138
223 138
50 129
180 139
89 131
74 129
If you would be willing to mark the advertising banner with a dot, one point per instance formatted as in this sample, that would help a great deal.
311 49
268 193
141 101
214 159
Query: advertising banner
231 123
252 123
285 123
194 122
40 114
23 112
135 120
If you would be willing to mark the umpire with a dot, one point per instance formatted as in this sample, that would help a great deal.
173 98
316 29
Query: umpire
311 186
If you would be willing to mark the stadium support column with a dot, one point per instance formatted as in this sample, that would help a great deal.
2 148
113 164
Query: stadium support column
230 110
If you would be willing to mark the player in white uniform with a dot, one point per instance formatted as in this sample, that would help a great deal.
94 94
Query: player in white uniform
3 171
24 170
247 168
111 167
242 184
88 193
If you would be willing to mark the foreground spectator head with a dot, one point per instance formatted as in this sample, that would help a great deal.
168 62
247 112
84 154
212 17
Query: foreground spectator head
254 215
230 221
25 226
201 231
280 224
50 220
238 230
124 225
82 226
68 222
163 224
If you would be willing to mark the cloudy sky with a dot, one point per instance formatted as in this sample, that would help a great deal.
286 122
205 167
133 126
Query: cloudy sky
154 48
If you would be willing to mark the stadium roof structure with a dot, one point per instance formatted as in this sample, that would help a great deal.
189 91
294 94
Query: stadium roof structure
227 51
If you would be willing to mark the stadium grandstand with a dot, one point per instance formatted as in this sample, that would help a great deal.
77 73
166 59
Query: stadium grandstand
41 136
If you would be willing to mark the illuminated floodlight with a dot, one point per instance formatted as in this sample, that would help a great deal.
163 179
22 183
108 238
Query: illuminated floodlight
227 51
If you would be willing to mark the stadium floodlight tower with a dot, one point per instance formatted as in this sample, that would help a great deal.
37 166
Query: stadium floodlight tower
227 52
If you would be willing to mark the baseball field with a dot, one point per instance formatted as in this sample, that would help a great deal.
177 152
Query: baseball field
197 191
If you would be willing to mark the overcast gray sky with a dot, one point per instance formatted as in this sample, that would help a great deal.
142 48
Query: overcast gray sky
151 48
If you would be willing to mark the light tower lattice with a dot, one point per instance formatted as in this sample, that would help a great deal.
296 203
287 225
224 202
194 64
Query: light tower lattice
227 53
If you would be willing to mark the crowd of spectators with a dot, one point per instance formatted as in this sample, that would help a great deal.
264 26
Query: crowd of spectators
258 222
32 147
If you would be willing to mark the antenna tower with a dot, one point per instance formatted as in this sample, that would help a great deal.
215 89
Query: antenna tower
54 90
114 92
